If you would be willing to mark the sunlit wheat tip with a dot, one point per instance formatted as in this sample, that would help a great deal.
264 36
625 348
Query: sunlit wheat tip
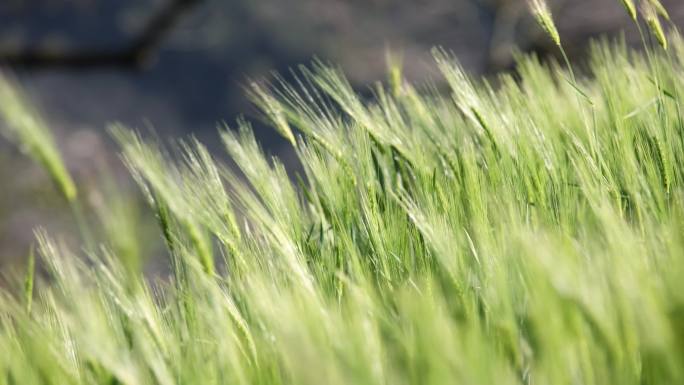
650 14
540 11
630 8
274 110
395 72
24 126
660 9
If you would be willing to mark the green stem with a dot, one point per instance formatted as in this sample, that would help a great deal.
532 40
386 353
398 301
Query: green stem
591 131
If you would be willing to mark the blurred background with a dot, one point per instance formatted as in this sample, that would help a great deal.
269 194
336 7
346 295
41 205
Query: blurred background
178 67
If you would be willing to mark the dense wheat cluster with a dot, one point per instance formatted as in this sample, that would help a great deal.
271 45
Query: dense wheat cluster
527 230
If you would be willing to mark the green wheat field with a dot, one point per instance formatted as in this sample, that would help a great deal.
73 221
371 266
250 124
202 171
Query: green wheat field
528 229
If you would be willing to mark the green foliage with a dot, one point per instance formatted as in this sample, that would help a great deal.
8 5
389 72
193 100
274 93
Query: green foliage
524 230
